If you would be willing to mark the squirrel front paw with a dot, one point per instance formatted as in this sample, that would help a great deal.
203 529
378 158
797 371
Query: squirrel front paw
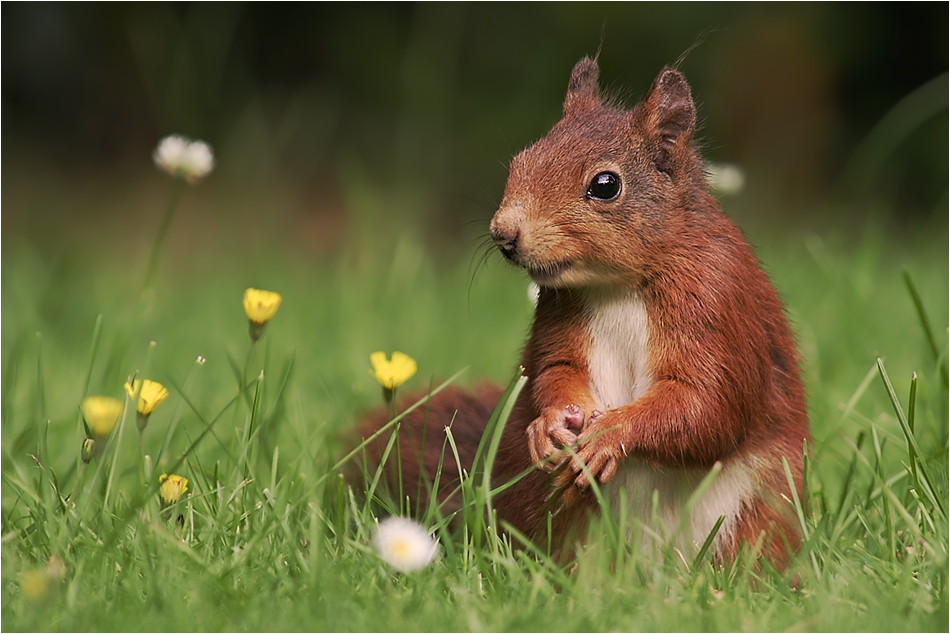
550 432
601 450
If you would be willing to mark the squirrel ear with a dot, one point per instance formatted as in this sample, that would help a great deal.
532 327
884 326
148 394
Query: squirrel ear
582 91
669 114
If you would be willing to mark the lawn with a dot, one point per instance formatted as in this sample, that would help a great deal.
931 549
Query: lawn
268 537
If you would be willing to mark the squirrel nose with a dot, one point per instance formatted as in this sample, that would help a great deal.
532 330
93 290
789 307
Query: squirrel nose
506 239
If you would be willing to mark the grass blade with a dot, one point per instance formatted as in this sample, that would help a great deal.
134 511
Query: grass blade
925 323
800 513
491 438
698 559
366 441
911 413
929 488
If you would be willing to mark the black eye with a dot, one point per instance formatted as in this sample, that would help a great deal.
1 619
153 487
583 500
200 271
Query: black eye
604 186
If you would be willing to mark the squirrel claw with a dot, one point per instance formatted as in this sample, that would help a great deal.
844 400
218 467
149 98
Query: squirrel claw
598 458
601 465
549 433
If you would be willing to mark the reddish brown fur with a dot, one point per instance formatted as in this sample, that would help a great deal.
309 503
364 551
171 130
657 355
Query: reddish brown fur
422 441
725 383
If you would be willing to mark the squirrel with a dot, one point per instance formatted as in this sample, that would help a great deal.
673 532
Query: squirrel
659 350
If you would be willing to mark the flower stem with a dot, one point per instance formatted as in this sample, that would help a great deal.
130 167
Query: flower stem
117 442
178 186
390 395
176 417
245 380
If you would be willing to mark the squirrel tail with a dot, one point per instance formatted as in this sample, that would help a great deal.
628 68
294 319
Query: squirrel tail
421 456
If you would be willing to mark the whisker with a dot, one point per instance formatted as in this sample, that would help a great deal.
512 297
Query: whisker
479 260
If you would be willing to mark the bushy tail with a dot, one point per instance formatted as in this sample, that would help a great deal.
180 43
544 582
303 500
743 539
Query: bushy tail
415 455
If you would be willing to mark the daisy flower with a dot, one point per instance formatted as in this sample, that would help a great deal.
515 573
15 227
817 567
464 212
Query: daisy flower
180 156
404 544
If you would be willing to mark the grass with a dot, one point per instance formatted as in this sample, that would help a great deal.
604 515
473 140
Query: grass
270 539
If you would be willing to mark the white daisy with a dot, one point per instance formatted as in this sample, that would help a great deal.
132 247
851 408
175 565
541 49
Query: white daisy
199 161
405 545
180 156
169 153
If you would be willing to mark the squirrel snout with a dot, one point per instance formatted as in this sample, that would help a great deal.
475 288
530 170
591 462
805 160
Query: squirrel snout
506 229
506 238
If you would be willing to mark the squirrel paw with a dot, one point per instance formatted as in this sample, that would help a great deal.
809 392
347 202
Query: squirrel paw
553 430
601 452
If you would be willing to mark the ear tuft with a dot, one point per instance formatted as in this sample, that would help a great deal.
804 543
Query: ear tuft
583 92
670 114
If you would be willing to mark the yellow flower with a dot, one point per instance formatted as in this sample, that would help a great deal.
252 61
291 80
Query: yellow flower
101 413
34 584
392 373
260 307
173 487
150 394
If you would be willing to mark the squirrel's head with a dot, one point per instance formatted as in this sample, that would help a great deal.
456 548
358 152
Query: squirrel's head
589 203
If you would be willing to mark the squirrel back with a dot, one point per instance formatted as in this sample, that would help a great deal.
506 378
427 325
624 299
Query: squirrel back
659 349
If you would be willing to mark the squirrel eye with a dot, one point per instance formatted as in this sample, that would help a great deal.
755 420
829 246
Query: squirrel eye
604 186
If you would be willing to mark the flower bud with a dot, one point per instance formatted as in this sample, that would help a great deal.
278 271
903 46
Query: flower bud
88 450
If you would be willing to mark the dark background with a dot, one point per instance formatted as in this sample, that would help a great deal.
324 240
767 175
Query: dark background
831 109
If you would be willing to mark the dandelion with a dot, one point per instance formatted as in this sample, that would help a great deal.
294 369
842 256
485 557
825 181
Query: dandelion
260 306
391 373
101 413
180 156
405 545
173 487
149 395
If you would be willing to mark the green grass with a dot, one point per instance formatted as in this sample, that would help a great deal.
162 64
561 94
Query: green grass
269 539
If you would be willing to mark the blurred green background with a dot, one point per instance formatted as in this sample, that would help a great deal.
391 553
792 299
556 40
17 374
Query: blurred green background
835 111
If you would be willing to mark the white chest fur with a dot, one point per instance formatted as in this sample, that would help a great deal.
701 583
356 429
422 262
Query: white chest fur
619 353
619 367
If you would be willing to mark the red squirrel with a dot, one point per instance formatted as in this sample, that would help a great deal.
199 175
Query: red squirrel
659 349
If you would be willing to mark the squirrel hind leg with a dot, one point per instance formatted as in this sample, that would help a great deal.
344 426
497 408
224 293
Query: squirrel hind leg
422 454
770 533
